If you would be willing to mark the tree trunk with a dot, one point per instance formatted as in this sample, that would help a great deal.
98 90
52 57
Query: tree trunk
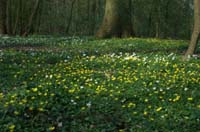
18 11
166 18
196 30
39 16
8 19
31 18
70 16
117 20
3 5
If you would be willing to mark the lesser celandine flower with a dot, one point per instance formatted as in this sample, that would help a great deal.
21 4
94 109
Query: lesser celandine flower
146 100
71 90
1 95
123 106
145 113
40 109
149 106
12 127
134 113
82 108
131 105
190 99
16 112
198 106
159 109
52 94
177 98
34 89
121 130
51 128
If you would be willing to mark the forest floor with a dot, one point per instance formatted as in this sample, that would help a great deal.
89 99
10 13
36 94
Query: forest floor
80 84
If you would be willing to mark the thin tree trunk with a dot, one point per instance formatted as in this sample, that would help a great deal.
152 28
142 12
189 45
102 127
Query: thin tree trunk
3 5
88 16
8 21
94 16
70 16
196 30
157 30
131 11
39 14
150 22
17 16
158 19
21 25
77 18
166 18
28 27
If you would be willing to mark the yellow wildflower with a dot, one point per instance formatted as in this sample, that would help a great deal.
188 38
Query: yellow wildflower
116 99
134 113
40 109
177 98
131 105
12 127
159 109
149 106
190 99
121 130
34 89
45 94
51 128
16 112
82 108
24 101
1 95
151 119
123 106
145 113
52 94
71 90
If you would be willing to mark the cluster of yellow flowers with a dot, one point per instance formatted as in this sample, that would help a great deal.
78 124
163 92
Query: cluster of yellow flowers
144 86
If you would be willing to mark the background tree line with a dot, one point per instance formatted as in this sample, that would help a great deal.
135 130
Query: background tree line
149 18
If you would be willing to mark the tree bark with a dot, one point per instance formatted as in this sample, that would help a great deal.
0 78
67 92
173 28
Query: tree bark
117 20
166 18
8 19
3 5
70 16
196 30
18 11
94 16
32 16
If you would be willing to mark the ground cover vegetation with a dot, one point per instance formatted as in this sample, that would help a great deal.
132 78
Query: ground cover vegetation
88 85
